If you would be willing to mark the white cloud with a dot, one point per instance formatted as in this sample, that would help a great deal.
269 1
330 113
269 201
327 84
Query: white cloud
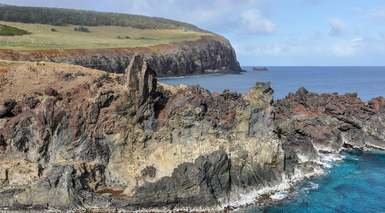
337 27
222 16
254 22
348 48
307 46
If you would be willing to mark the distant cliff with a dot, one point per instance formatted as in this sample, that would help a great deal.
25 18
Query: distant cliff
209 54
171 47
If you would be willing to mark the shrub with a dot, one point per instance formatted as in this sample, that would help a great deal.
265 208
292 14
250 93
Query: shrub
82 29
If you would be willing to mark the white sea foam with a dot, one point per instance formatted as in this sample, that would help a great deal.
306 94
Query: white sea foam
311 186
246 198
240 198
276 192
327 159
280 191
279 196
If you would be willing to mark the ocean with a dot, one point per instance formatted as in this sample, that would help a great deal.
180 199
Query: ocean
368 82
354 184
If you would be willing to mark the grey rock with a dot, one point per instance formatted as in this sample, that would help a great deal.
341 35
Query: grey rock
191 184
141 79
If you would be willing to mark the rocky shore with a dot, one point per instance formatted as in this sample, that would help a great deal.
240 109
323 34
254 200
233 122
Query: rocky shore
206 55
83 139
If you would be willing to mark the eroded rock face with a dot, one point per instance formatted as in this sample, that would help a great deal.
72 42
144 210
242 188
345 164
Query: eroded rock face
310 124
205 180
141 79
141 83
110 142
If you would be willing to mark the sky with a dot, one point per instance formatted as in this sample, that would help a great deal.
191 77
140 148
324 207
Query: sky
270 32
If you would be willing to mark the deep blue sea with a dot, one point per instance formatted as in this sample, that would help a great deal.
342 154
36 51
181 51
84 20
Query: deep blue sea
354 185
368 82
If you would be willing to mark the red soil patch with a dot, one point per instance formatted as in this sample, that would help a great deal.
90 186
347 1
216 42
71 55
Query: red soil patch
3 71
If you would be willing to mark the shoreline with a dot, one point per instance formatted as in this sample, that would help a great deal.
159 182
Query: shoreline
289 195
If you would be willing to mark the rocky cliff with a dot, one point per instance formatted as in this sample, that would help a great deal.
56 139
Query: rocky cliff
76 138
206 55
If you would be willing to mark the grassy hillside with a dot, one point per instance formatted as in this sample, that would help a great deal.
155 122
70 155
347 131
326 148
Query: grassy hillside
59 17
53 28
65 37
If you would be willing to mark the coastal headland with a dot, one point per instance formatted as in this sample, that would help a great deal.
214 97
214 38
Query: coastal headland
91 129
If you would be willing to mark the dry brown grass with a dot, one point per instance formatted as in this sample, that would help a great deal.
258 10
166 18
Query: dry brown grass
20 79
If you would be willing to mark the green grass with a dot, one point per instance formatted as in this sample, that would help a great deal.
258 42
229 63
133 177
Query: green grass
60 17
11 31
65 37
54 28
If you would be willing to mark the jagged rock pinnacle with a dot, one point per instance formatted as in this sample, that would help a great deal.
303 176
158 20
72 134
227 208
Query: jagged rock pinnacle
141 79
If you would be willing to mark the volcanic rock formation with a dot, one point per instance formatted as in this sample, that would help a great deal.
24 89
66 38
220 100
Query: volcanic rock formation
77 138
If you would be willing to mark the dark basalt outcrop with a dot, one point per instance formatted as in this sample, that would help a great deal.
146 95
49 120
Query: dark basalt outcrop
207 55
109 142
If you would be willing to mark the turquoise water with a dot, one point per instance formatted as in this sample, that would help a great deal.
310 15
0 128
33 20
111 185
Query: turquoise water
356 184
368 82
